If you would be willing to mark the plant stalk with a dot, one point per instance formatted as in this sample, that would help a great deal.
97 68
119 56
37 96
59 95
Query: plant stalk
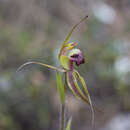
62 117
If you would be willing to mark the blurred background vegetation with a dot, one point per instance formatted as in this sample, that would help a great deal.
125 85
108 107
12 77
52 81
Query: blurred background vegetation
33 30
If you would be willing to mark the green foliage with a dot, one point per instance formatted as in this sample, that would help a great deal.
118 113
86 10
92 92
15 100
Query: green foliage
69 124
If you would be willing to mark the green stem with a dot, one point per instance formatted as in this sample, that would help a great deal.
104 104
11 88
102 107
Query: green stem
62 117
62 112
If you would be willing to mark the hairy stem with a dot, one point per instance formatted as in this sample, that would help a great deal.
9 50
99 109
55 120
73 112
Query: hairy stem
62 117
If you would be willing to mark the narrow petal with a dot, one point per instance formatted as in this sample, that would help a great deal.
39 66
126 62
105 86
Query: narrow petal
39 63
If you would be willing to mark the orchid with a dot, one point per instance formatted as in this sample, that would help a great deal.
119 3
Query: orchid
69 56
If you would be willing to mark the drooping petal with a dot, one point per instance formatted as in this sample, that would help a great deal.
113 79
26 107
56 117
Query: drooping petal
72 77
71 80
86 92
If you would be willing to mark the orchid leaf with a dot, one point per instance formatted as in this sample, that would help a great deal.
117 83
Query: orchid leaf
70 33
87 93
64 60
39 63
60 87
69 124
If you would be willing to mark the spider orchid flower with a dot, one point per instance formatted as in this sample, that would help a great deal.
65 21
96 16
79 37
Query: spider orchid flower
69 56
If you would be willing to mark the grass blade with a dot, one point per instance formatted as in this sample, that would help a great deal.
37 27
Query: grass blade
69 124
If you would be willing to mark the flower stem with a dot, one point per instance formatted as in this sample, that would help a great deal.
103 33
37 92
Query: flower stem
62 117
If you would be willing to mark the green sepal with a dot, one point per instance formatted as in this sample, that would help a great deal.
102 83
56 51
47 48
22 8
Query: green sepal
60 87
69 35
